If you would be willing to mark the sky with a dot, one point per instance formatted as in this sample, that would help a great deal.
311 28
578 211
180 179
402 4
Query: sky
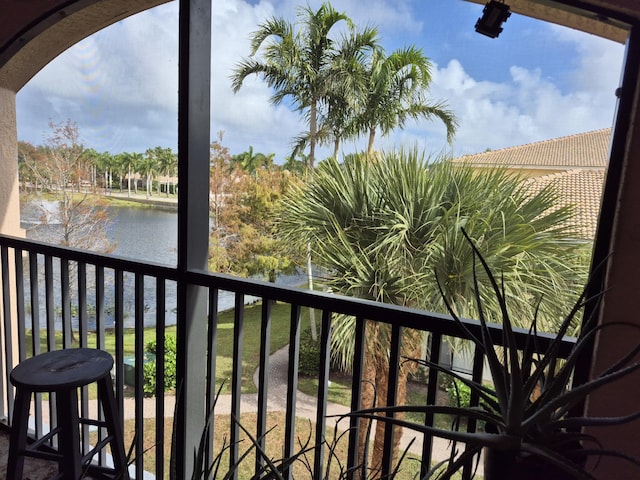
534 82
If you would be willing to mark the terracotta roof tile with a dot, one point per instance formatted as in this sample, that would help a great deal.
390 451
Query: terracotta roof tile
584 150
580 188
580 161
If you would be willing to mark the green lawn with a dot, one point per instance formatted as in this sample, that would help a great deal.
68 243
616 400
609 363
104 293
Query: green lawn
280 318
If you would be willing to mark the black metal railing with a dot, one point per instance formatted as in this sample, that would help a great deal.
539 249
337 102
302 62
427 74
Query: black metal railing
55 298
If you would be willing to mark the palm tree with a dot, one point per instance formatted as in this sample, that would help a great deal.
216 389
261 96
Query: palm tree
120 163
300 65
92 159
131 163
295 164
398 86
250 162
304 66
147 166
167 164
106 163
384 230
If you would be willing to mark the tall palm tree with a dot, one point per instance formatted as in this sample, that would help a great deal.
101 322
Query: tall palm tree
304 66
167 164
398 87
131 163
385 230
300 64
93 159
250 161
120 162
147 166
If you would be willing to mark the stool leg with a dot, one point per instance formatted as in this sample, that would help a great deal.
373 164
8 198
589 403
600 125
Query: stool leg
18 437
114 428
69 436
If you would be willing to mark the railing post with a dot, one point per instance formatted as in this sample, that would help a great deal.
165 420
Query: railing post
194 79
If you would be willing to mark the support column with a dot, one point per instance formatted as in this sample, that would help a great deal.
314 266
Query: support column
194 86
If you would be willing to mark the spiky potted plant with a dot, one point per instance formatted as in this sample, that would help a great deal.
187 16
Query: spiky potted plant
531 431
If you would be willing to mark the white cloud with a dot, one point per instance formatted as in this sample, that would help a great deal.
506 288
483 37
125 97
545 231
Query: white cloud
528 107
121 86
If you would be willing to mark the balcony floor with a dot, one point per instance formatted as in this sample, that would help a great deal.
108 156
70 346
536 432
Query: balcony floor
34 468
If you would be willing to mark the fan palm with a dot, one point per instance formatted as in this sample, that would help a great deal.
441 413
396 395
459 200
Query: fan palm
380 228
304 65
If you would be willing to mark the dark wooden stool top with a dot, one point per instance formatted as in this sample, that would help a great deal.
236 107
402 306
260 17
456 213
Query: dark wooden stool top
62 369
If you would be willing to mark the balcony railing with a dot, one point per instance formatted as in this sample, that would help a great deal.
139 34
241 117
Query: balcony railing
55 298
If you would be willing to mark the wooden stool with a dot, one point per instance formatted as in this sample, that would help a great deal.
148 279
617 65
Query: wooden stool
63 372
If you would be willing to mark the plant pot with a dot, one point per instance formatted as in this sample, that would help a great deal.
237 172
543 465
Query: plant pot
501 465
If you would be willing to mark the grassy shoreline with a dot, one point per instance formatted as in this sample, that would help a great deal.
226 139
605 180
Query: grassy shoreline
116 199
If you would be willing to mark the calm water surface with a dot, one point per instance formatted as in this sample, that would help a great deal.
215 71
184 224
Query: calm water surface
143 234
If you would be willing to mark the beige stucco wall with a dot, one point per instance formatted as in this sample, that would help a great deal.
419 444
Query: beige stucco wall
9 199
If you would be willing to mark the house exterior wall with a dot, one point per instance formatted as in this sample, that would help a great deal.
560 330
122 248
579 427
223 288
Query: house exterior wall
9 200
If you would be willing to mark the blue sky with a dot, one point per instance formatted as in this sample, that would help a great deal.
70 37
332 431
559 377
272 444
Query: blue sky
536 81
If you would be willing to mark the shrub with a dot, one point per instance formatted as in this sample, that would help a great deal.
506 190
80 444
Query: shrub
459 394
309 360
170 348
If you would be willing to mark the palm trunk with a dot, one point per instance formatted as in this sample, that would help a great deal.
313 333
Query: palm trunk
368 396
312 312
411 348
313 129
312 149
401 397
372 136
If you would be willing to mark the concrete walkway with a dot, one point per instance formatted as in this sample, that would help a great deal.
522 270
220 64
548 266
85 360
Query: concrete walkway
277 402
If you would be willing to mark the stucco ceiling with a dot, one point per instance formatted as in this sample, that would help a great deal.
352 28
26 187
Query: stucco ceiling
33 32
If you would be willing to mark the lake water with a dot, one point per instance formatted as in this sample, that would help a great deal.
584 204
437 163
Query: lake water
146 234
143 234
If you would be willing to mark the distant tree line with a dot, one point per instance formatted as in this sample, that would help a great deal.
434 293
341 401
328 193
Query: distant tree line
156 168
153 171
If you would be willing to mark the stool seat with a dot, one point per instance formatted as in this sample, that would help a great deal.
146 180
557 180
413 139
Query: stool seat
62 373
62 369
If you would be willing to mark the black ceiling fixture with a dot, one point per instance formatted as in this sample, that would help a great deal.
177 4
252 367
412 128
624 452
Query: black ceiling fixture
493 16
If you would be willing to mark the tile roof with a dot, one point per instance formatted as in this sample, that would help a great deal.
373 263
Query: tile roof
579 162
583 150
580 188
